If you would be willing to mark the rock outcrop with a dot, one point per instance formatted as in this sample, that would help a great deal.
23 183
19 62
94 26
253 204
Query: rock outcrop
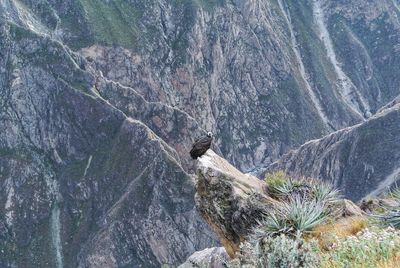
363 160
346 208
207 258
230 201
233 203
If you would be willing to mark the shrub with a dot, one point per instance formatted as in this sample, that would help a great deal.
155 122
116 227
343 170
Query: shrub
283 252
279 252
292 217
392 218
369 249
391 214
303 204
300 231
395 194
281 187
324 192
277 183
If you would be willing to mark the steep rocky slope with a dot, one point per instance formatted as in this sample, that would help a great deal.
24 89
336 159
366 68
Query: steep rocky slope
360 160
100 101
265 76
84 185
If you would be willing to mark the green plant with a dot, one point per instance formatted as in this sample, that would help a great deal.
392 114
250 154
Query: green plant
276 181
278 252
395 194
299 231
293 216
391 214
281 187
369 249
324 192
393 219
282 252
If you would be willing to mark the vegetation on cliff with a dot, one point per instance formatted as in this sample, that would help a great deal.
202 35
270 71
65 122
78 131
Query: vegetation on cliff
307 228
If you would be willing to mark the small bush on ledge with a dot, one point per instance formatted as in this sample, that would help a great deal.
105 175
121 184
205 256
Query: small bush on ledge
302 205
281 251
391 214
281 187
293 217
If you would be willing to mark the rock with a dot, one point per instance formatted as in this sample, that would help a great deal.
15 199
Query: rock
246 73
207 258
389 203
369 205
348 209
378 205
230 201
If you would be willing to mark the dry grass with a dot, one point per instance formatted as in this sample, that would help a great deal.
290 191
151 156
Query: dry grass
392 263
327 234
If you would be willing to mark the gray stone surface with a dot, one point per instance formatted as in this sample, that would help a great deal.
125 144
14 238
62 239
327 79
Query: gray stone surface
207 258
231 202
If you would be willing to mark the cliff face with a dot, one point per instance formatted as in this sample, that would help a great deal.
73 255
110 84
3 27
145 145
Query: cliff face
264 76
360 160
84 184
101 100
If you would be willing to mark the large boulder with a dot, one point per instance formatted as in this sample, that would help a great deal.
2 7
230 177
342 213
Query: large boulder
207 258
231 202
347 208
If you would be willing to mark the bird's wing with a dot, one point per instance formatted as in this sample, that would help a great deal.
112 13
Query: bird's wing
202 143
197 146
200 138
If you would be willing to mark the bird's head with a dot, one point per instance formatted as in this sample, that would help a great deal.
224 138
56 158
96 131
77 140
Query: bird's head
209 134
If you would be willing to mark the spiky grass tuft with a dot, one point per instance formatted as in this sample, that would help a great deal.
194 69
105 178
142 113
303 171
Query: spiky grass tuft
391 216
395 194
325 193
282 187
291 217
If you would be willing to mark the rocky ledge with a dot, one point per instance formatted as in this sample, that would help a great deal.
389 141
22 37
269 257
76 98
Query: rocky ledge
231 202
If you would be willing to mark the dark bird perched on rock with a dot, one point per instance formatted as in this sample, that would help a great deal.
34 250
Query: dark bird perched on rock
201 145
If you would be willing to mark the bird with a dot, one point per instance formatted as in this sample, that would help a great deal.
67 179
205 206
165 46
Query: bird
201 145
